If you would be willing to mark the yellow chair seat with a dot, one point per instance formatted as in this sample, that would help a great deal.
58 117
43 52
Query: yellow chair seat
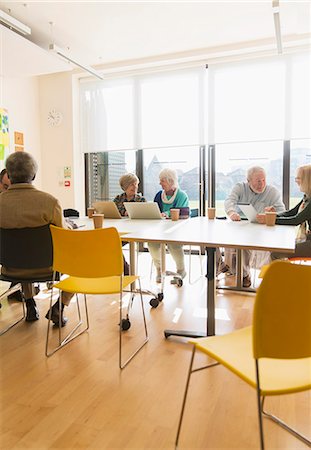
107 285
235 352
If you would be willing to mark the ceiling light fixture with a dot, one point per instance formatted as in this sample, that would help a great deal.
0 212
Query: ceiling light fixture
14 24
277 26
58 51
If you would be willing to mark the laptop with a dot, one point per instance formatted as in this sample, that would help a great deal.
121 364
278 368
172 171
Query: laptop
249 211
109 209
143 210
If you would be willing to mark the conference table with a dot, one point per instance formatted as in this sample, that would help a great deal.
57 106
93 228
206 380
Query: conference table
210 234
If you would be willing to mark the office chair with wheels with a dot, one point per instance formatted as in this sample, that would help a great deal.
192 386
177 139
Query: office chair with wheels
274 355
69 212
93 261
25 248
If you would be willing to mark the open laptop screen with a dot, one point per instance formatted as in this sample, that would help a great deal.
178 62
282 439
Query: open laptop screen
143 210
109 209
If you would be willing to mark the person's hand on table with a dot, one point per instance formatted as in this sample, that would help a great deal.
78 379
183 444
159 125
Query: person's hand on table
261 218
163 214
235 216
269 209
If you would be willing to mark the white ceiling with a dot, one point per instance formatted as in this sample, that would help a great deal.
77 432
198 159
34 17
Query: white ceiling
107 32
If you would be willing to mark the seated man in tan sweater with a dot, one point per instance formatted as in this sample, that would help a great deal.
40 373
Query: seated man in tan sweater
24 206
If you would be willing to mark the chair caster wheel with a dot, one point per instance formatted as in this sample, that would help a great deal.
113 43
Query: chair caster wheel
160 296
154 302
125 324
178 281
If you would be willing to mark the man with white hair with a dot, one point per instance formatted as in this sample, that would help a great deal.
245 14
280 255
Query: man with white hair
256 192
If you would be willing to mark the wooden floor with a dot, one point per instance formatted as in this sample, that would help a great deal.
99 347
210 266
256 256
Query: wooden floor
78 398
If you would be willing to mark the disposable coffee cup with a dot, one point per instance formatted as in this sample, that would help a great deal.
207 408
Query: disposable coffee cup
270 218
211 212
98 220
90 212
175 214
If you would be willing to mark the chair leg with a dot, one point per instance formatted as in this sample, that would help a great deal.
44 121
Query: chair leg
184 399
262 444
8 292
121 364
72 334
286 427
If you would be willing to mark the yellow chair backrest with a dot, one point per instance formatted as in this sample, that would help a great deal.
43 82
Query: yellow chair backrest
87 254
282 312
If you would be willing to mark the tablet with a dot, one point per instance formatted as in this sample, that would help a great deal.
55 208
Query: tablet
143 210
109 209
249 211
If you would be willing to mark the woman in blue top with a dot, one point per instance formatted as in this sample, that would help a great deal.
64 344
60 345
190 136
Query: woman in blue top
169 197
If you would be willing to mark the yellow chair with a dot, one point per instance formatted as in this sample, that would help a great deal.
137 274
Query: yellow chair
93 262
274 355
294 260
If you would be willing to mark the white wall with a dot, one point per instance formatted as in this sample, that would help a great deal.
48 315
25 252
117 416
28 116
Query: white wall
55 92
28 101
20 96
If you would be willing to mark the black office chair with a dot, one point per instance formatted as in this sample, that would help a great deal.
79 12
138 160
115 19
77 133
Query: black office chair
71 213
25 248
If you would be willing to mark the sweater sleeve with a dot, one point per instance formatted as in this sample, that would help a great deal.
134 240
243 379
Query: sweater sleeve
233 198
276 200
57 218
293 217
182 200
158 200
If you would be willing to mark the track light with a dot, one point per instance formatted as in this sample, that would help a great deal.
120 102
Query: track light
58 51
13 24
277 26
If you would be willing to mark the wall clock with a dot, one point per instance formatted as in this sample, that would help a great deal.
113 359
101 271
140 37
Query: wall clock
54 118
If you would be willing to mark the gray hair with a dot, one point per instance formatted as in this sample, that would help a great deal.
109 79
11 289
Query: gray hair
128 179
170 175
21 167
2 173
255 169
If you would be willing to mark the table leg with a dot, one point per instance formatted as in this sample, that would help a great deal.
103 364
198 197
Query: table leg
210 302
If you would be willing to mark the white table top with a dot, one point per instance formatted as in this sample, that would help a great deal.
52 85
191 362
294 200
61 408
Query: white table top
201 231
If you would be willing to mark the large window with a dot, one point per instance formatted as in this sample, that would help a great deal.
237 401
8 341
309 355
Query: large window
249 101
104 170
255 112
107 116
300 156
170 109
186 163
233 160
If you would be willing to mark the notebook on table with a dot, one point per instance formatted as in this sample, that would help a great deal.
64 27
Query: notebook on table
249 211
143 210
108 208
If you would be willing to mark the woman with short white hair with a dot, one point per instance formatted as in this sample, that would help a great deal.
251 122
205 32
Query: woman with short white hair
171 196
